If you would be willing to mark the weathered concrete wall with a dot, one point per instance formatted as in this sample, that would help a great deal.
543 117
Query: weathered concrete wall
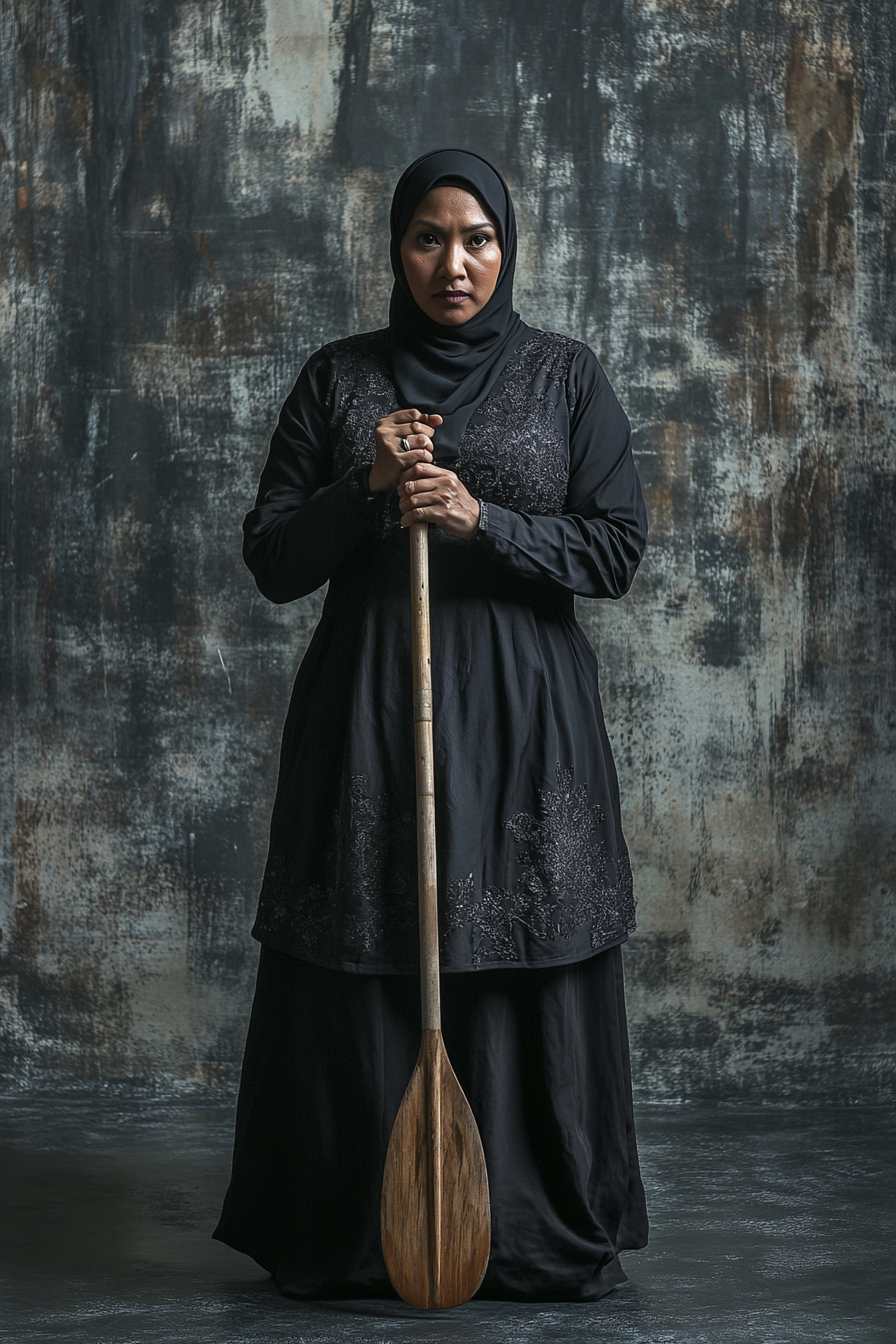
195 196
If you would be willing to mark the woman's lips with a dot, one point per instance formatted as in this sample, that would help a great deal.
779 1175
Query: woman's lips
452 296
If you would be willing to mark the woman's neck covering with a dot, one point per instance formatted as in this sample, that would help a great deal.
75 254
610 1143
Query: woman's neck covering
444 370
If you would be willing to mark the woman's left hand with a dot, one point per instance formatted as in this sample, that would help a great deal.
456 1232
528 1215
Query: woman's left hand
430 494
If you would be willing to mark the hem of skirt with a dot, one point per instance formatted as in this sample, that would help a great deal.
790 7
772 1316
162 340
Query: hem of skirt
378 968
350 1290
237 1243
328 1291
603 1281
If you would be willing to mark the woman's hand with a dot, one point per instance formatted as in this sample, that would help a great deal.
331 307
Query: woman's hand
430 494
391 461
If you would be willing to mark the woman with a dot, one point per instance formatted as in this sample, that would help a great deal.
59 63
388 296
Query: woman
510 442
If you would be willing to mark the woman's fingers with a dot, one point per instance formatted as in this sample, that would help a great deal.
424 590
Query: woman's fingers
403 440
416 457
402 418
416 439
427 476
430 494
416 497
410 422
421 469
418 484
456 519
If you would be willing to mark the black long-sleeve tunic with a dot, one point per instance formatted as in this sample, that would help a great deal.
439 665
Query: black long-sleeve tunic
532 862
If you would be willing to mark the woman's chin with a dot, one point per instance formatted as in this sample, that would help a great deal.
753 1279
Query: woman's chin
453 317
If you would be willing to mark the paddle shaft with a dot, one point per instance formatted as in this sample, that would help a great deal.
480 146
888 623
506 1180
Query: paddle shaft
426 813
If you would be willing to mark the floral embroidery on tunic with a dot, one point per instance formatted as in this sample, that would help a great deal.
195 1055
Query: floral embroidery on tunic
373 888
563 885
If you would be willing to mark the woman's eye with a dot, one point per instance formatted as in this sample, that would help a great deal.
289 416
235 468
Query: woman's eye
427 239
479 240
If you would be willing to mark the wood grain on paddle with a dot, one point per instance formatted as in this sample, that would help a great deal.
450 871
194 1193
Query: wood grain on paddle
435 1215
436 1232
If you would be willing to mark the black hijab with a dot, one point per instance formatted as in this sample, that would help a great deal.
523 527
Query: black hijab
444 370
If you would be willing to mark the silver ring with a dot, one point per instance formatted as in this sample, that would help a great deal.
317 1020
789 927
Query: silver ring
405 446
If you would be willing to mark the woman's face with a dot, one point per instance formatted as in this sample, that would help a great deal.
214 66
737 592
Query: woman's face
451 256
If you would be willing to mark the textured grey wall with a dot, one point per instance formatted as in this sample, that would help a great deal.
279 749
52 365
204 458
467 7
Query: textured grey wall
195 196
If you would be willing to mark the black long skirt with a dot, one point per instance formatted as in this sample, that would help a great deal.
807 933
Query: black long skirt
543 1058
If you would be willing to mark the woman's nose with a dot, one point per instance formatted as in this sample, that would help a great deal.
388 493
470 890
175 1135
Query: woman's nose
455 260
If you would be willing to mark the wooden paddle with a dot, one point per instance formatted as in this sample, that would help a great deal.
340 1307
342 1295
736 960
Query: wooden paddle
434 1217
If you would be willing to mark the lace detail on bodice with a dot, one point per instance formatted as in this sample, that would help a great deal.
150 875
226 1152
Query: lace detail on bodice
362 392
514 452
515 449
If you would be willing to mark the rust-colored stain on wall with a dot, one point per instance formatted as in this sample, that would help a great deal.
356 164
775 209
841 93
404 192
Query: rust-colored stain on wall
195 196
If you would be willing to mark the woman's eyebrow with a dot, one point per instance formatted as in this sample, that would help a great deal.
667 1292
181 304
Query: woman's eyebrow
437 228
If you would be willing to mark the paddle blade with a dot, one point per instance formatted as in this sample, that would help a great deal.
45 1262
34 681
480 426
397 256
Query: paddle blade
435 1217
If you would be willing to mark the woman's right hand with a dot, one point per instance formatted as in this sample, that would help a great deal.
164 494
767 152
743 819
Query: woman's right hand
391 461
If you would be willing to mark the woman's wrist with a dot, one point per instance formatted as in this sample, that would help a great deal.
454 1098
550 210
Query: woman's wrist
475 521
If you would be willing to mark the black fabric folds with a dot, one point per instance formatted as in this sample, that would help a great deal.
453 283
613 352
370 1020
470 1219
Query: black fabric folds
446 370
533 864
543 1059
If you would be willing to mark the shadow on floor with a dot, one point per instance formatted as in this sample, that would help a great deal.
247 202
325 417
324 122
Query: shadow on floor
769 1227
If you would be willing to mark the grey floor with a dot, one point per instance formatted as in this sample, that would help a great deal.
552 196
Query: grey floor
771 1226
